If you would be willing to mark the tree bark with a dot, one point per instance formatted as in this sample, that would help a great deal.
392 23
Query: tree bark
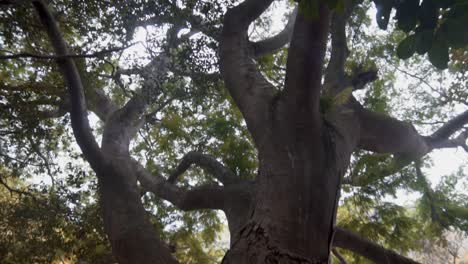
295 203
131 234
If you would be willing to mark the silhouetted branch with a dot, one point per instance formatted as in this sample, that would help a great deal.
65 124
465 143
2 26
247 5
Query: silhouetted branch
54 57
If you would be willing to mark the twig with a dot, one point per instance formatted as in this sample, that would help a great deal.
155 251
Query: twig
16 191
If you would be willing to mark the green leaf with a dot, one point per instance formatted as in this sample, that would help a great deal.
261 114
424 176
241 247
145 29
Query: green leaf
438 54
407 47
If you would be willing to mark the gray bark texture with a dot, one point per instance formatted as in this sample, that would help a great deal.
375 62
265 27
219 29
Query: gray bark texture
287 214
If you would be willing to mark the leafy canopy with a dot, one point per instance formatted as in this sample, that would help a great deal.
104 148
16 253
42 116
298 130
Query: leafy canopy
194 112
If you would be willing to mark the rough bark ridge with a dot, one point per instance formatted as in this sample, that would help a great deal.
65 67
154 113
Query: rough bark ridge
287 215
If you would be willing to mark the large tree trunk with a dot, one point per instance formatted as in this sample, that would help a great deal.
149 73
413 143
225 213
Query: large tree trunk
296 200
299 175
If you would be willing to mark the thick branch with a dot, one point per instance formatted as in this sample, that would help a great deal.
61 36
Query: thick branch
251 92
383 134
339 49
347 240
79 115
208 162
204 197
196 21
305 65
459 141
241 16
16 191
278 41
452 126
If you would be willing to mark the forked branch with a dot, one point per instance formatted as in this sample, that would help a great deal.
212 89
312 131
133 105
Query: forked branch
383 134
218 170
204 197
334 74
251 92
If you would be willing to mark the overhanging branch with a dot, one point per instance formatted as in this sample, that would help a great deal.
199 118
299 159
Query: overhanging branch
459 141
383 134
441 135
11 2
347 240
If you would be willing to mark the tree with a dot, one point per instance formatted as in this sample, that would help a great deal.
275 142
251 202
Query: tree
443 251
281 207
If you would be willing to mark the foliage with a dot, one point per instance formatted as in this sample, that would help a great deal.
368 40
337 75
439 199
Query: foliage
432 26
194 112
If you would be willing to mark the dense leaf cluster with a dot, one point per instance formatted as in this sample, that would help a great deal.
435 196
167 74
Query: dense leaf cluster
432 26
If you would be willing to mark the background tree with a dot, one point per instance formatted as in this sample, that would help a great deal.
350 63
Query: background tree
283 155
